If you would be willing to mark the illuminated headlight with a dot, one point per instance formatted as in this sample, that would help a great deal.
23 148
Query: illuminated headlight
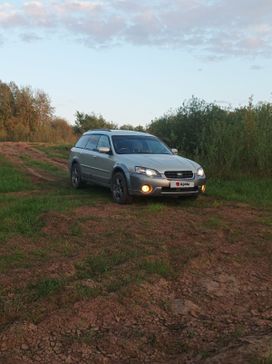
200 172
147 171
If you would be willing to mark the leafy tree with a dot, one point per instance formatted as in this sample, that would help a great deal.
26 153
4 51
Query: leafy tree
62 130
43 109
28 115
131 127
86 122
7 108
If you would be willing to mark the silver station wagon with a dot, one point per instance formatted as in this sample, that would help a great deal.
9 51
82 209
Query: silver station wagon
133 163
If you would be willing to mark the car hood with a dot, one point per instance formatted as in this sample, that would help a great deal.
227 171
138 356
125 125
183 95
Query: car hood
159 162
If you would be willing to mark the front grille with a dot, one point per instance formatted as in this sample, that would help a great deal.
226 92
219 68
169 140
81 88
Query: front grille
179 174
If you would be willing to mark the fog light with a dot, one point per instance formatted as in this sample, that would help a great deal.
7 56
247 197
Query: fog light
146 189
203 188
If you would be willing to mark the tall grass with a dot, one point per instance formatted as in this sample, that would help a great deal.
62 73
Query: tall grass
228 142
257 191
239 143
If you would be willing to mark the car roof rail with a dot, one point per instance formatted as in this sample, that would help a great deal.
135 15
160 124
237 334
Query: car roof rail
104 129
97 129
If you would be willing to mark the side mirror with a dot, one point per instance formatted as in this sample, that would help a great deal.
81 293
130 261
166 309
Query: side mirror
105 150
174 151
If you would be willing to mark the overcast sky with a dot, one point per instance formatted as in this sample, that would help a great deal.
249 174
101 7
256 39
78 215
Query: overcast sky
133 60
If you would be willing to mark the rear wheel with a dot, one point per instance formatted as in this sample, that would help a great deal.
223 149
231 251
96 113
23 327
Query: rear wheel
119 189
76 179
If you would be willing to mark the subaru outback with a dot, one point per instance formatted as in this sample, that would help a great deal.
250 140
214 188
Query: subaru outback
133 163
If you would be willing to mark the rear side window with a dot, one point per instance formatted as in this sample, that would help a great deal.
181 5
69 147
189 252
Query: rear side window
92 142
82 142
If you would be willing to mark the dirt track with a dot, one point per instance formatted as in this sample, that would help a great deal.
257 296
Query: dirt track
15 151
214 307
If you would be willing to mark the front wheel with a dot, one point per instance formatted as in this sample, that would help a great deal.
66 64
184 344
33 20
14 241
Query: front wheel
119 189
76 179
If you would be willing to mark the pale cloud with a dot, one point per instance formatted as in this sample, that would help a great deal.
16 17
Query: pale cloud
256 67
210 28
30 37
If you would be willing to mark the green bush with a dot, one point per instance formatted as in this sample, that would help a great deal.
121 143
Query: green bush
228 142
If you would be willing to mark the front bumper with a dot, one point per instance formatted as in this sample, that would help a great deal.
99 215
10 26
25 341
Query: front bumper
161 186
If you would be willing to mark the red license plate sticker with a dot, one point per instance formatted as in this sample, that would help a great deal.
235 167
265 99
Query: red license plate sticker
181 184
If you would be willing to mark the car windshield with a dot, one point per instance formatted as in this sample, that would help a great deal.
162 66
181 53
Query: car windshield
134 144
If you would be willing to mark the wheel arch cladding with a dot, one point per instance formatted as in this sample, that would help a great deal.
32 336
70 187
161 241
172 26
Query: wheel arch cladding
123 169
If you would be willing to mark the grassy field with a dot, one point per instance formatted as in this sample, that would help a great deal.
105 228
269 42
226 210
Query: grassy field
255 191
161 280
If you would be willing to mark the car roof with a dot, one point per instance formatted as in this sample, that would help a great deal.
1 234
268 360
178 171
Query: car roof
116 132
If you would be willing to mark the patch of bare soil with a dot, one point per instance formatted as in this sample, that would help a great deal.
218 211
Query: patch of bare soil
215 307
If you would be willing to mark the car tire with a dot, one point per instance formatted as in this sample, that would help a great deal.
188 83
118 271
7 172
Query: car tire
76 178
119 189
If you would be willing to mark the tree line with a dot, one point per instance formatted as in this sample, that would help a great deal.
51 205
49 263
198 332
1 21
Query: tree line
227 141
84 122
27 115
